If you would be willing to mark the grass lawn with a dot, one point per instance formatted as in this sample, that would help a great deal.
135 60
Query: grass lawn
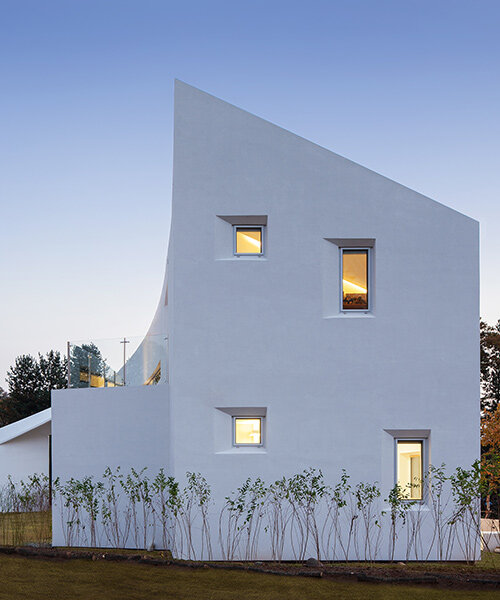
40 579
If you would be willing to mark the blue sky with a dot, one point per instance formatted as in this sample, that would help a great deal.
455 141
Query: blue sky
409 89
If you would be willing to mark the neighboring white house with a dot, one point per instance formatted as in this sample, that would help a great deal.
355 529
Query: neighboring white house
24 447
318 315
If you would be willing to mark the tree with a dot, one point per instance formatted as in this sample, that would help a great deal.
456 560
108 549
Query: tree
490 417
24 380
82 359
53 371
490 459
30 382
5 416
490 366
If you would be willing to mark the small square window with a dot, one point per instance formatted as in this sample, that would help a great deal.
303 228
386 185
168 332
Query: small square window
410 468
355 267
247 431
248 241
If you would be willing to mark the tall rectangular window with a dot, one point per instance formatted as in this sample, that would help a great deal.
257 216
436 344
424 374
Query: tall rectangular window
247 431
248 240
409 467
355 283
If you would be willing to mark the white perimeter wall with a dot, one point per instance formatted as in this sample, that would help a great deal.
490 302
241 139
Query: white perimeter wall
109 427
25 455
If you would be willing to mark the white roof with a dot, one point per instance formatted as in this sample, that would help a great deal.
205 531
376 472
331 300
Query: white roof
14 430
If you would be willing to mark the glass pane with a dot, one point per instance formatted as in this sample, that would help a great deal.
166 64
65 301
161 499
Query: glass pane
409 462
248 241
247 431
355 279
118 362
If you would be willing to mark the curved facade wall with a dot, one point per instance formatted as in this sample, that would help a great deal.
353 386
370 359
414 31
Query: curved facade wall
267 336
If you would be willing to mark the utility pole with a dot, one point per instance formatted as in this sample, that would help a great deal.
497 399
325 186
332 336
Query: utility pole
89 362
124 342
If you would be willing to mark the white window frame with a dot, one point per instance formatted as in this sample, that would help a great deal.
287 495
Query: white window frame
425 465
262 421
252 227
369 282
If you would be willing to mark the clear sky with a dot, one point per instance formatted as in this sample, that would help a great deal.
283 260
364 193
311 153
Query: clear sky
410 89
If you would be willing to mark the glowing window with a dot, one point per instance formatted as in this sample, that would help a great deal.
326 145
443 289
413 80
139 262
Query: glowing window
155 377
410 468
247 431
355 267
248 240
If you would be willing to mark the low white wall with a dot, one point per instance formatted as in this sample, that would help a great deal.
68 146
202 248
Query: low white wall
25 455
110 427
490 534
490 540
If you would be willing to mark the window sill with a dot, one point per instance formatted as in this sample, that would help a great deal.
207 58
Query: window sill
248 255
419 506
244 258
243 450
352 315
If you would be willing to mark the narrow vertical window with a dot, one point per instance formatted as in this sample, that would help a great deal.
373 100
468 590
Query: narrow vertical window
248 240
355 284
410 468
247 431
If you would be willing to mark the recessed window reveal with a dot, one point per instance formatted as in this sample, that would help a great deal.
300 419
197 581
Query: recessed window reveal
247 431
248 240
410 468
355 290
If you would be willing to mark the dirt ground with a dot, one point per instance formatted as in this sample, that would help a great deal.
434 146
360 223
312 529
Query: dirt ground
483 575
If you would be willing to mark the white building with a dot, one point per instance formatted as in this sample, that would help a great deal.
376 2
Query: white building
24 448
317 315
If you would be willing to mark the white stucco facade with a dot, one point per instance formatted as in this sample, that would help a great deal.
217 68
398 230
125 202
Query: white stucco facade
265 335
24 448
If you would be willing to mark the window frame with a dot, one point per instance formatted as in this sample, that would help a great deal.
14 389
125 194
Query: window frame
423 465
369 286
249 227
260 418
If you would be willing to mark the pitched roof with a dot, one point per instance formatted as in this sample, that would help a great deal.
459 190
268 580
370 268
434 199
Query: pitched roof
14 430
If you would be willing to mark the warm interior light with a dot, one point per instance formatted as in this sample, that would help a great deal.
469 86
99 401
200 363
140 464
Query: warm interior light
155 377
409 464
352 288
247 431
355 279
248 241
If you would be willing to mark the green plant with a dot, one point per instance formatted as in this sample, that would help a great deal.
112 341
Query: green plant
366 496
307 489
398 509
336 503
279 514
466 486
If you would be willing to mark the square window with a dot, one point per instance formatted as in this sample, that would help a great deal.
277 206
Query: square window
248 241
355 267
410 468
247 431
